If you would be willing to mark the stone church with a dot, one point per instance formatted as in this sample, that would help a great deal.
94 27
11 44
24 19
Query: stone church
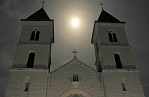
115 74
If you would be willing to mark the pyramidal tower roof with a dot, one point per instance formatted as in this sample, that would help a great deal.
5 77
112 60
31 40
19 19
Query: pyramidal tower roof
105 17
39 15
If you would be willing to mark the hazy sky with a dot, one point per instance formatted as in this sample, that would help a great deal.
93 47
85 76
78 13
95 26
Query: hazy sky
134 12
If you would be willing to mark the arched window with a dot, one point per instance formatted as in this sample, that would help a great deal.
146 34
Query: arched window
114 37
31 58
110 37
118 61
75 77
37 35
32 35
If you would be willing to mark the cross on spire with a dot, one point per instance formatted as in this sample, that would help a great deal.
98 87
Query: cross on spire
74 53
43 3
101 4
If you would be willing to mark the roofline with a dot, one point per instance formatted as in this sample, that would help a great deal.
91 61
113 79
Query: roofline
105 12
26 19
68 63
36 20
93 33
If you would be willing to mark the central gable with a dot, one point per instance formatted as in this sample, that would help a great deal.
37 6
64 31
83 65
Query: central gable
74 75
74 65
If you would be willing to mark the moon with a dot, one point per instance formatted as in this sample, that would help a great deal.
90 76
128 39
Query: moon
75 22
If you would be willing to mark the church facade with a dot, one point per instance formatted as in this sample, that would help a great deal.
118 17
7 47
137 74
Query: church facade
115 74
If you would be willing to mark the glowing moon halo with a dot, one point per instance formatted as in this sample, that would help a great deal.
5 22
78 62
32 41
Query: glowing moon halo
75 22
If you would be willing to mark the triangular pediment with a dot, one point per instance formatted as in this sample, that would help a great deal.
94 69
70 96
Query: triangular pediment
74 63
106 17
39 15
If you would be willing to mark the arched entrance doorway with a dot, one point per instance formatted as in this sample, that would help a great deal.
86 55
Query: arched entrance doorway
76 93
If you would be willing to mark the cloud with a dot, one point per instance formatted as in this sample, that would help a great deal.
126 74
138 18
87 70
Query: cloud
15 8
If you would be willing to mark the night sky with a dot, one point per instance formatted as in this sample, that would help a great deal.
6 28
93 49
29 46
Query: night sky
134 12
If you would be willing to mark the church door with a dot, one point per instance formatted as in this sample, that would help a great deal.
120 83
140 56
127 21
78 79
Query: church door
30 61
118 61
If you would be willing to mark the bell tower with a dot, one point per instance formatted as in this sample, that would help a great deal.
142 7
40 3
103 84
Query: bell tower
111 46
34 46
31 66
115 59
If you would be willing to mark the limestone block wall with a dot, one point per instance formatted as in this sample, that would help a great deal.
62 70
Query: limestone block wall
113 83
18 78
101 33
46 29
42 53
126 54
